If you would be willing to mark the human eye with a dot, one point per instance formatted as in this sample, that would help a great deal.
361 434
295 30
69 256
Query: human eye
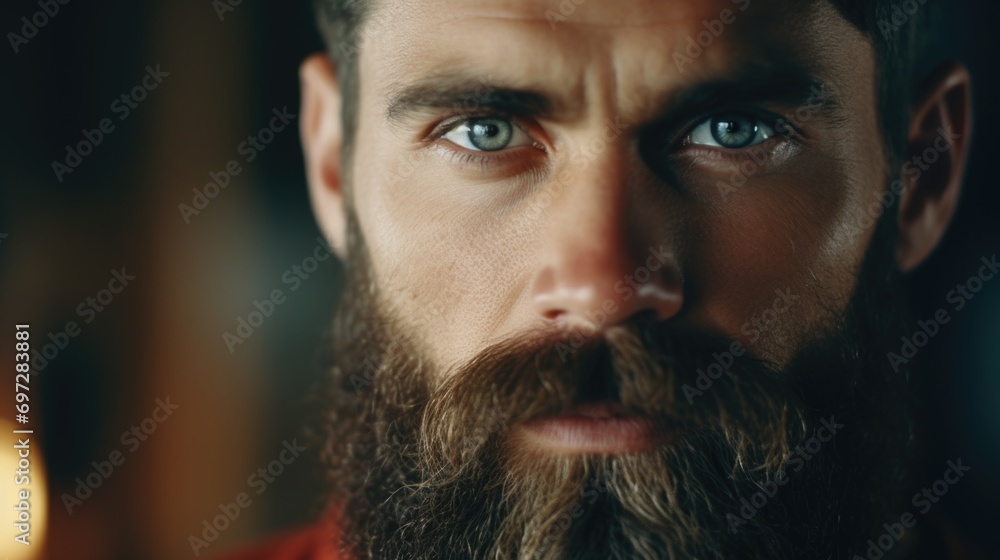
487 134
731 131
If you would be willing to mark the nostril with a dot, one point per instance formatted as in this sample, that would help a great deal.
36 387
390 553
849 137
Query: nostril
553 314
593 292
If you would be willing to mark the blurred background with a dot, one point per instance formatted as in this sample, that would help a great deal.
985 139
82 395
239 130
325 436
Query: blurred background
200 79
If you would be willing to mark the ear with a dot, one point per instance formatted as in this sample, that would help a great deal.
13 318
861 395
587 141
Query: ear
322 138
939 134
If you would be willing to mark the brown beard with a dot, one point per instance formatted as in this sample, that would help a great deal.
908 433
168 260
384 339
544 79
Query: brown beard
423 468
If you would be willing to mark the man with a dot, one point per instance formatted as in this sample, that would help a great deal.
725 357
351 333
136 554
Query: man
624 277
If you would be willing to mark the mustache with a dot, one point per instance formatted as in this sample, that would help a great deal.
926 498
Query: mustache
704 385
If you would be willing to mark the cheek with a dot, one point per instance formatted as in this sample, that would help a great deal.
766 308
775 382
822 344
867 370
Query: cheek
455 288
778 259
451 266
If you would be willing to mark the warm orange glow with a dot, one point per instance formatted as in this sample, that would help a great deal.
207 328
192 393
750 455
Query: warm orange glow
33 482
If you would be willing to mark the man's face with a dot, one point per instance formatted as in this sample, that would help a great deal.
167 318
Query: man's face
558 227
515 171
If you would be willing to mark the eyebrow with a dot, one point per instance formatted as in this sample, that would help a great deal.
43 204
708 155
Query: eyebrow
786 84
459 90
790 86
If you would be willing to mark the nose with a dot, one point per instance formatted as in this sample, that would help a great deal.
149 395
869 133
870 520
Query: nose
606 258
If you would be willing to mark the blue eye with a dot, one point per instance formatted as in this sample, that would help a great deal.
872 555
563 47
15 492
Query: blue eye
487 134
731 131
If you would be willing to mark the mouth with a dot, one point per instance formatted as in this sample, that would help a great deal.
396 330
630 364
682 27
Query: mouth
600 428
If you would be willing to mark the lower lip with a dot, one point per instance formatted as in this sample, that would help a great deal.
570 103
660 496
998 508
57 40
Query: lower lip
599 429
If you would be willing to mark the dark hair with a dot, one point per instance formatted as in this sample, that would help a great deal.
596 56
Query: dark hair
898 29
340 23
901 32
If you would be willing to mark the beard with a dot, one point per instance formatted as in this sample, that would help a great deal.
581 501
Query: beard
805 462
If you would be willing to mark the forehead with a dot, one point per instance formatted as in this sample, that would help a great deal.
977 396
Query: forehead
577 43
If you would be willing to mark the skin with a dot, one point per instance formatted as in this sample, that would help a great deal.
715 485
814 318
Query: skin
471 248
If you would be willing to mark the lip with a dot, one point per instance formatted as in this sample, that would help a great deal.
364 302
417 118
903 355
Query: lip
601 428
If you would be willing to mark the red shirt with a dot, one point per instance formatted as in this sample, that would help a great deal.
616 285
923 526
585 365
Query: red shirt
315 542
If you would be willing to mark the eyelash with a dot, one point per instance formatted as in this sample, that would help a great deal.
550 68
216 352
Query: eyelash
767 118
486 160
483 160
450 123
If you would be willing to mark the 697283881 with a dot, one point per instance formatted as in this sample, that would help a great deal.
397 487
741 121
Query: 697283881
22 377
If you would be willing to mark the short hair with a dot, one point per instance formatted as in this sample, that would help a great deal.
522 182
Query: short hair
901 32
340 23
898 29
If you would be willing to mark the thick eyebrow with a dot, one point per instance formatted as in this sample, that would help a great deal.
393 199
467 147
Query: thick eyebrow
787 85
466 93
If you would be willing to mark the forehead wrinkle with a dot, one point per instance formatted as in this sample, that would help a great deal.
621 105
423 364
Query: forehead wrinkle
610 78
584 14
556 75
408 22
